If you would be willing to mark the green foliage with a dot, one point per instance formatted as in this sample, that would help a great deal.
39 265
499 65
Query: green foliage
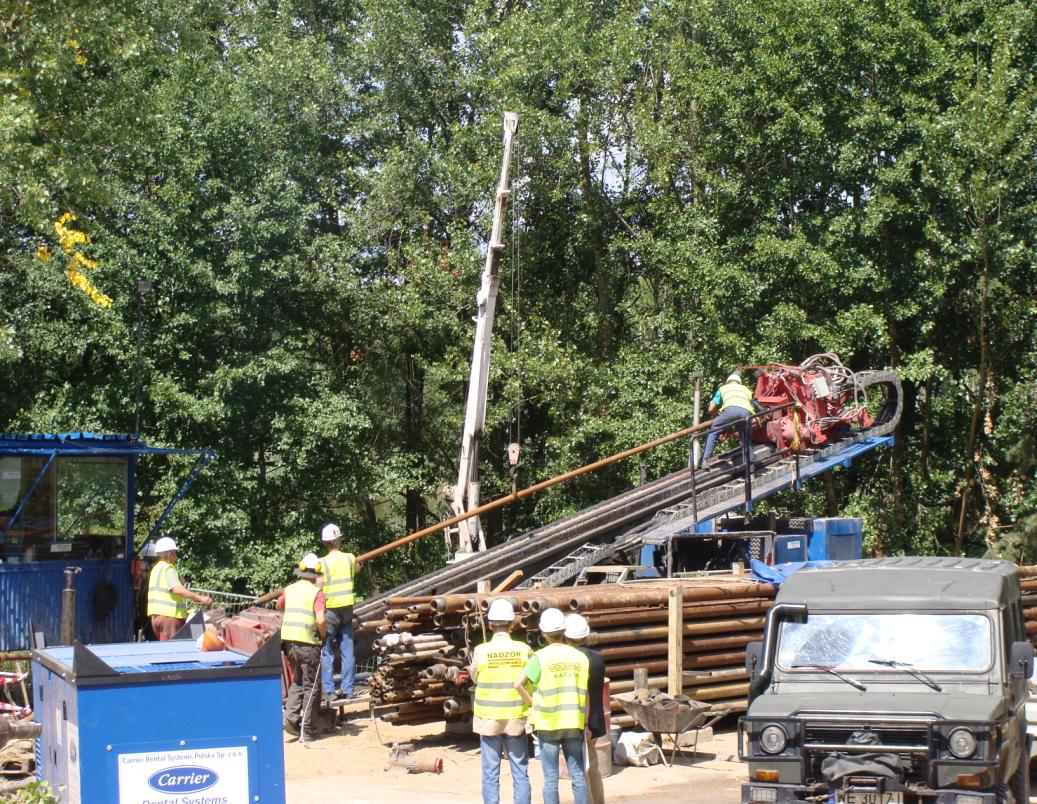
705 185
32 793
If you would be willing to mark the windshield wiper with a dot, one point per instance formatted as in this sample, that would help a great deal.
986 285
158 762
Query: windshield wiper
827 668
907 667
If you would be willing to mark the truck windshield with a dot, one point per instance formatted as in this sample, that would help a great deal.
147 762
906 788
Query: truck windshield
933 642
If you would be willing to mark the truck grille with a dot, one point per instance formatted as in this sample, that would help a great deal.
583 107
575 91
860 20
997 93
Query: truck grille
891 739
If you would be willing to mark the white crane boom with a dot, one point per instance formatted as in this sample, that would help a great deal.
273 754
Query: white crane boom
466 492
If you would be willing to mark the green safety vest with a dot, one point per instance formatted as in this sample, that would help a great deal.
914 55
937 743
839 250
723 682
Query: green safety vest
338 579
734 394
160 600
560 699
300 623
498 663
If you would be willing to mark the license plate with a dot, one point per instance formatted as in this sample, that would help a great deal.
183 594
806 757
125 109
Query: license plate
866 797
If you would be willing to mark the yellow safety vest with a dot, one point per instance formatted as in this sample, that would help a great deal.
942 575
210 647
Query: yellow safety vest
300 623
338 579
498 663
560 699
734 394
160 600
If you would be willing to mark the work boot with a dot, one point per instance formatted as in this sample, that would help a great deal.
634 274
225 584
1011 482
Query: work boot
290 728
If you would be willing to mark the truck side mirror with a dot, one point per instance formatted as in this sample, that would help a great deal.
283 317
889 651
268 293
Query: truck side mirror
1020 660
753 657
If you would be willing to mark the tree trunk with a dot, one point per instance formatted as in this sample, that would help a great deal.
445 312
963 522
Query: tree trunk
414 388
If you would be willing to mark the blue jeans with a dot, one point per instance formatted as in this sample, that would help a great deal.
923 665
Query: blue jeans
728 418
340 635
573 751
518 757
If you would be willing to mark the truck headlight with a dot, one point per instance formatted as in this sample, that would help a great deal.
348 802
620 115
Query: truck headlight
773 739
961 743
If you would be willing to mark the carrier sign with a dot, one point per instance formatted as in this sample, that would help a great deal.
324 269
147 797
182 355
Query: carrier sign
183 779
185 776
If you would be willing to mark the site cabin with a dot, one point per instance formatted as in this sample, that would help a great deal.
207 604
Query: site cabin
891 681
69 500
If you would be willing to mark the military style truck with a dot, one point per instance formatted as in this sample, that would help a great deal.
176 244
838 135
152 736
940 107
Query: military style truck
891 681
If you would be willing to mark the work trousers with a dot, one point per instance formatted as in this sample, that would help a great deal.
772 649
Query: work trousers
572 749
595 787
165 627
303 692
736 421
517 748
340 639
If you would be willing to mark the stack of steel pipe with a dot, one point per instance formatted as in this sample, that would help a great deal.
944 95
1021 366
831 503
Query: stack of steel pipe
418 664
1028 587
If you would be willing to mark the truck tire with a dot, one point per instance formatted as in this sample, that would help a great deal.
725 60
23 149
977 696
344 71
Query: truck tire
1019 785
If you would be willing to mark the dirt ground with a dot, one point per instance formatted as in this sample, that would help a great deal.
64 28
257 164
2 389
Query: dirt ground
350 766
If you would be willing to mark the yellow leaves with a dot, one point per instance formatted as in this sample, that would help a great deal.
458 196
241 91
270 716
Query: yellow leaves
73 43
70 239
80 59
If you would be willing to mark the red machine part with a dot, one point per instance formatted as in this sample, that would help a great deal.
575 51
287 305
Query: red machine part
248 629
827 399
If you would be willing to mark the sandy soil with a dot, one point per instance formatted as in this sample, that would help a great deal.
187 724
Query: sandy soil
350 766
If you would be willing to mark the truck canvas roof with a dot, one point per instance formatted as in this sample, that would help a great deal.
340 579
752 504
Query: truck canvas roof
924 582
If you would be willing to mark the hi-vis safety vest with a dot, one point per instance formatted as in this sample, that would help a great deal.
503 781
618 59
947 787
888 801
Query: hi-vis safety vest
560 699
500 662
300 623
736 395
160 600
338 579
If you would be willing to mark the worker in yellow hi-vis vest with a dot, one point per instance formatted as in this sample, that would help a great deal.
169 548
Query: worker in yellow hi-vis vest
736 405
339 569
167 596
302 631
559 676
499 713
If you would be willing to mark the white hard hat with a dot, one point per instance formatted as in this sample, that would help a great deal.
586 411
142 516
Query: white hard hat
734 376
576 627
501 611
310 563
164 545
330 533
552 621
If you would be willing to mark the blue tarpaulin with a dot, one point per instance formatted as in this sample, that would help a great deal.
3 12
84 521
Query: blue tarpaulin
779 573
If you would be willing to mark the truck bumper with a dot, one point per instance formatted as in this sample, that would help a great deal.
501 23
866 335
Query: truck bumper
764 793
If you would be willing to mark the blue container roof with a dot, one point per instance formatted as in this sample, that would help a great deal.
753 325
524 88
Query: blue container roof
151 657
84 443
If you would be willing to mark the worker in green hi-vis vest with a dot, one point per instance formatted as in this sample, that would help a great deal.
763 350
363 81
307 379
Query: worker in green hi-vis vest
167 596
736 405
559 675
302 632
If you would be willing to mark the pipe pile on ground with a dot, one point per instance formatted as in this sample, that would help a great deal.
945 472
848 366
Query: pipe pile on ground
424 642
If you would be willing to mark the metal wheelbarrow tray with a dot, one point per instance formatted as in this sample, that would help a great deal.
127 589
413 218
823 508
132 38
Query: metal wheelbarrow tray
668 715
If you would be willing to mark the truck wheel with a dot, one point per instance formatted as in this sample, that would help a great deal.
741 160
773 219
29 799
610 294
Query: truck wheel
1020 782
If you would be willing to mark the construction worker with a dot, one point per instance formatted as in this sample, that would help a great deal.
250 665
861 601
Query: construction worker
167 597
577 631
735 403
302 630
558 674
338 568
499 713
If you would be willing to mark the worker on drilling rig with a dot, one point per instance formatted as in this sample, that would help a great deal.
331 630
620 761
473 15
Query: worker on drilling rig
558 674
736 405
499 713
302 631
577 632
167 596
338 569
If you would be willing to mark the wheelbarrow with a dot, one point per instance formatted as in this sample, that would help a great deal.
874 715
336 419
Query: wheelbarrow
664 714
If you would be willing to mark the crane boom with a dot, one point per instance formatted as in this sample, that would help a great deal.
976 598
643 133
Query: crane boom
466 492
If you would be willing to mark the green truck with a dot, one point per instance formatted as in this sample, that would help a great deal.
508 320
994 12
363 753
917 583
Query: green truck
891 681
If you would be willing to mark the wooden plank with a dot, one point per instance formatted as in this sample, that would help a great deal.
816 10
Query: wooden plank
675 643
482 587
509 582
